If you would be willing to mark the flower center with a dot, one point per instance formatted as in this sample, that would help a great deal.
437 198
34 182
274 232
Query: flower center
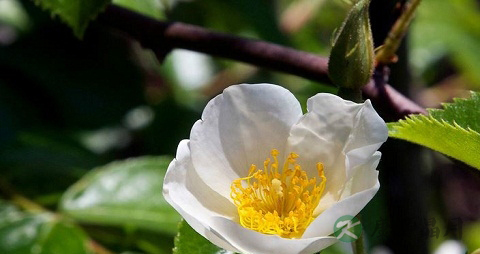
278 203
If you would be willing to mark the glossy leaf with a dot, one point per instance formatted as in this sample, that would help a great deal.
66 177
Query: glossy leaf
123 193
76 13
38 233
189 241
453 130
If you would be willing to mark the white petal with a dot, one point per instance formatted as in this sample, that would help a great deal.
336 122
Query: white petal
239 128
193 199
356 194
365 176
207 150
368 134
340 134
332 126
249 241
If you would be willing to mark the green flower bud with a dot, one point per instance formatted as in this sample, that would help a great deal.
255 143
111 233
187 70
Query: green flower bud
351 59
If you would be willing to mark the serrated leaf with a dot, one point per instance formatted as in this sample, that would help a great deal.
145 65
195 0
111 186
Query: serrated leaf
188 241
38 233
453 130
75 13
124 193
464 112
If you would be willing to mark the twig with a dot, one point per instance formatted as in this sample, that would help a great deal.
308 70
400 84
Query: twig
386 54
389 100
162 37
98 248
9 193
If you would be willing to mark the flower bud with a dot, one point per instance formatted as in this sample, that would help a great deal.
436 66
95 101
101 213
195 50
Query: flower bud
351 59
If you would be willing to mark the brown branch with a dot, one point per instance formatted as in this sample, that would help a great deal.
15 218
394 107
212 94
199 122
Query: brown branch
389 101
162 37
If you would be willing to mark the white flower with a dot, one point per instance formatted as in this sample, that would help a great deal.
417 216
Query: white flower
257 176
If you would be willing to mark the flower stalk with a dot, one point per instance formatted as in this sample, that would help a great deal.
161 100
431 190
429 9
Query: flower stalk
358 246
354 94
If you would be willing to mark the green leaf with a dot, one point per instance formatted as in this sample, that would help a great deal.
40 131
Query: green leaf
38 233
152 8
453 130
463 112
123 193
188 241
76 13
65 236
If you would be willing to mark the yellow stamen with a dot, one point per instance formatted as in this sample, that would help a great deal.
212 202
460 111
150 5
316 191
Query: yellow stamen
278 203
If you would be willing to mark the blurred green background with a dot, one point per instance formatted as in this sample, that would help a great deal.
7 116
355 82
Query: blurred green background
68 107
